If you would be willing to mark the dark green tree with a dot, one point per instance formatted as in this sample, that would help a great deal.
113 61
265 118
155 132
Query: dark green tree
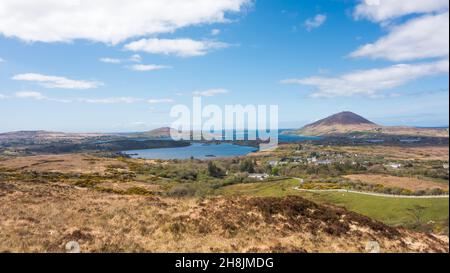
247 166
214 171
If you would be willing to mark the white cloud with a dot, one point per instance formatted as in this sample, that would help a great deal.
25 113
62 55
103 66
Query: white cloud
215 32
136 58
114 100
382 10
110 60
178 47
2 60
315 22
126 100
157 101
423 37
148 67
111 100
210 92
369 82
2 96
37 96
56 82
30 95
107 21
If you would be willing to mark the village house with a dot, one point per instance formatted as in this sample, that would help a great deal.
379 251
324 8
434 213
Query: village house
324 162
273 163
312 159
258 176
395 165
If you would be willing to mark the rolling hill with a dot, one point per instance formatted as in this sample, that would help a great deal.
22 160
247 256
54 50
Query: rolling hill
46 136
163 132
346 123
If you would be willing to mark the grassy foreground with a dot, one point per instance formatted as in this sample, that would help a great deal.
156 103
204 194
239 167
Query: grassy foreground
391 211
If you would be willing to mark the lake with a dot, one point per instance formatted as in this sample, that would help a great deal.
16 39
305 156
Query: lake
209 151
196 150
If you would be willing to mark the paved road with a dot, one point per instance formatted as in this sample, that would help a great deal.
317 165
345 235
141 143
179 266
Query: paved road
377 194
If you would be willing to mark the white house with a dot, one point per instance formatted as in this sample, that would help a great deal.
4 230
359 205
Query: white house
324 162
259 176
395 165
312 160
273 163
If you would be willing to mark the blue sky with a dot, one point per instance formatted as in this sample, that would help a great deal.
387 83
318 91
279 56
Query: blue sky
97 66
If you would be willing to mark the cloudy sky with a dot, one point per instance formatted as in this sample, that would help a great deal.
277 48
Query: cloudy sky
116 65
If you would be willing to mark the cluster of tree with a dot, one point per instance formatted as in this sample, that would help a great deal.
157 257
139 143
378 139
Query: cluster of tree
247 165
215 171
197 170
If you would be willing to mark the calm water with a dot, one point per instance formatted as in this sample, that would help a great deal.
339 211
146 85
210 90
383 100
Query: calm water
196 150
208 151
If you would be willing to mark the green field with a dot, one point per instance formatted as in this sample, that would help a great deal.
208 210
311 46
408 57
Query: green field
392 211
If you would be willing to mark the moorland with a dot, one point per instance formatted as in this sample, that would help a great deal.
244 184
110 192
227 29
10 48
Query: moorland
333 194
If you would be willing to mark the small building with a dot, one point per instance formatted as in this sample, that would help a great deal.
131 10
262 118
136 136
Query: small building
273 163
324 162
297 159
258 176
312 159
395 165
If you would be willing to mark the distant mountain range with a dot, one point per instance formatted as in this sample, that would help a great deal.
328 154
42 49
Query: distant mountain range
46 135
346 123
163 132
340 124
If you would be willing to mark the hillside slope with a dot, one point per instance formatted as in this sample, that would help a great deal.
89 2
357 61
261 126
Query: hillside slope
48 215
163 132
345 123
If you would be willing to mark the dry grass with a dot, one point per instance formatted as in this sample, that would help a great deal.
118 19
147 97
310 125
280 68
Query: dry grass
67 163
413 131
400 153
130 185
43 217
134 216
340 129
410 183
388 152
